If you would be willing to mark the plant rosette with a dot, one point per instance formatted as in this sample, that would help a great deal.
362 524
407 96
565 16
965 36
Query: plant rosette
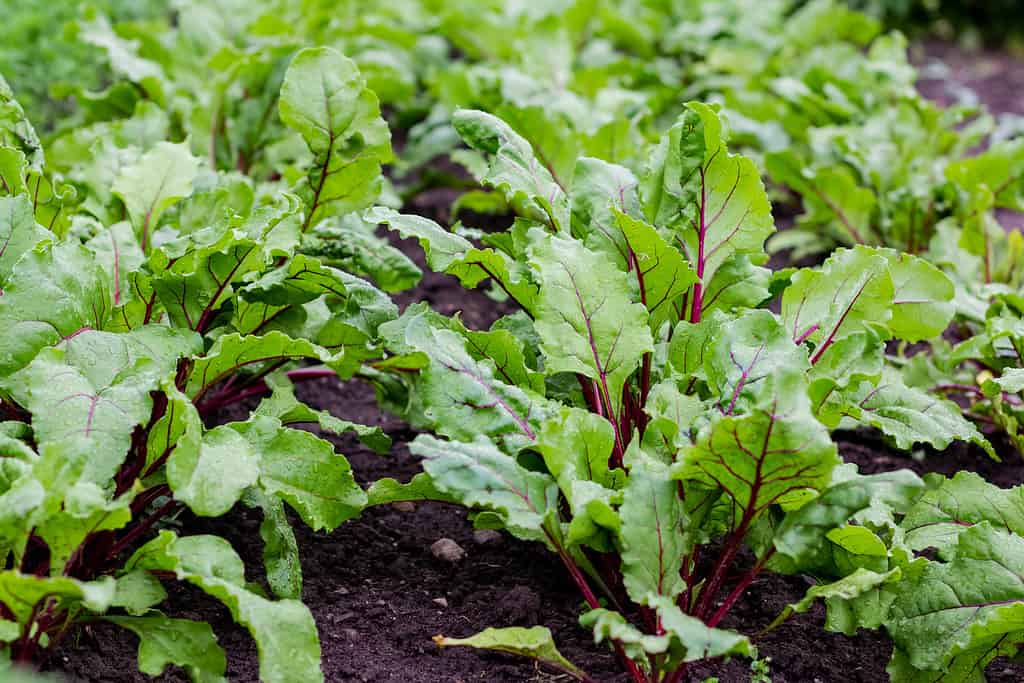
646 418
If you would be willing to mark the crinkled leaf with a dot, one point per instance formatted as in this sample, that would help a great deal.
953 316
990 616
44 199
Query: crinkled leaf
325 99
159 179
953 505
479 475
462 396
52 294
743 353
973 603
351 243
163 641
513 169
19 233
586 319
665 274
96 389
827 304
757 459
284 630
905 414
304 471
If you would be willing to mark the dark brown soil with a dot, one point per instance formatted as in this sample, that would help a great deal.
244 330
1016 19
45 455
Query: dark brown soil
379 595
951 74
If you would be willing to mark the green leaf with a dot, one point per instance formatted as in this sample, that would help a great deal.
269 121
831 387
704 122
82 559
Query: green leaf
481 476
325 99
686 638
163 641
586 320
535 643
87 510
831 196
776 450
22 592
802 536
998 168
852 289
952 506
922 297
450 253
601 192
1012 380
420 487
608 625
95 389
673 416
905 414
159 179
16 130
283 405
233 352
696 640
666 276
352 244
972 604
744 356
284 630
280 549
462 397
652 538
576 445
209 474
738 283
304 471
845 589
19 233
855 358
512 168
712 200
303 280
195 275
137 592
52 294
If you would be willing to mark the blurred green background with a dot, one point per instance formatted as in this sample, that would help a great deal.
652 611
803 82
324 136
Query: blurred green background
39 55
38 49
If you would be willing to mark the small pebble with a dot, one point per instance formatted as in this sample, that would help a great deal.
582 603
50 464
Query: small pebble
487 537
443 602
447 550
404 506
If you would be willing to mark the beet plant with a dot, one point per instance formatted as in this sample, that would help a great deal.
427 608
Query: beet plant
646 417
139 295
